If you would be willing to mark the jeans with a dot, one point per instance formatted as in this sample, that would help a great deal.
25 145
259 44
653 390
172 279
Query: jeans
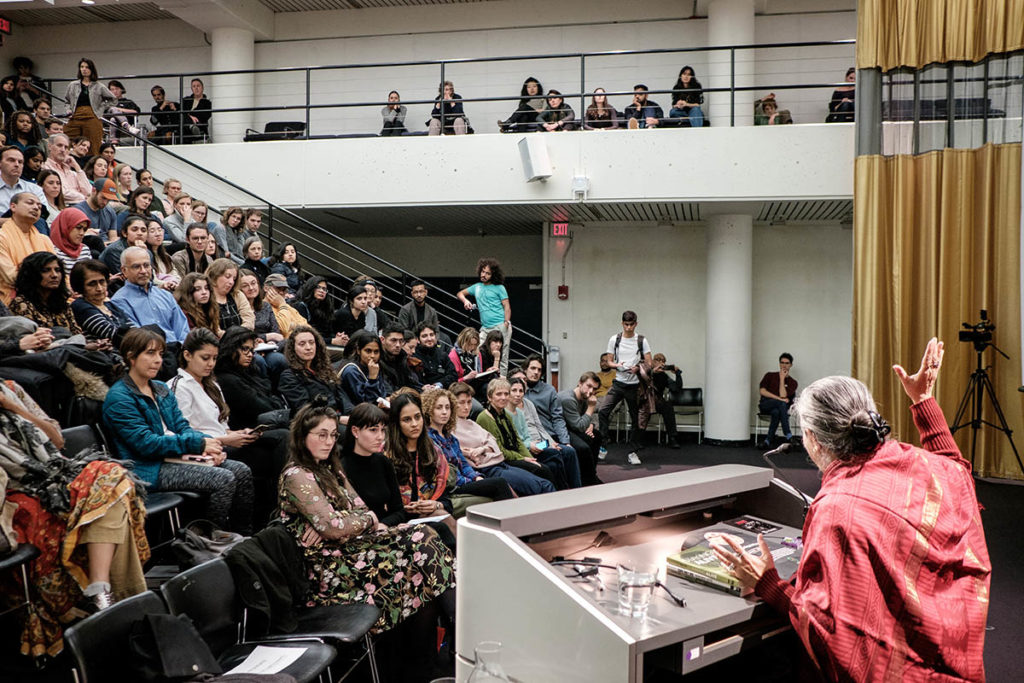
506 333
779 413
521 481
563 464
586 456
694 114
616 394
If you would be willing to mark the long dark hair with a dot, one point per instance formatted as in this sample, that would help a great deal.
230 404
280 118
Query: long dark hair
135 194
398 451
328 473
694 83
230 345
497 274
596 111
159 252
486 358
43 175
12 129
318 309
30 273
195 340
279 258
359 340
321 365
207 316
526 95
362 416
94 75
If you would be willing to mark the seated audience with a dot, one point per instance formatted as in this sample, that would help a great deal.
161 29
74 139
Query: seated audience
606 375
139 203
600 115
777 391
352 316
123 174
491 353
895 572
687 96
557 114
145 304
75 185
418 310
21 130
309 374
196 108
265 324
98 317
841 107
393 114
145 425
231 230
439 409
12 164
163 268
193 258
164 118
96 169
560 460
384 319
360 373
549 409
766 112
213 251
313 304
287 317
662 401
531 104
578 407
81 150
172 188
122 114
234 307
249 393
49 182
455 122
252 252
202 404
91 538
496 421
42 293
10 99
436 368
132 234
102 217
465 358
19 238
286 262
34 158
252 224
178 219
482 450
643 113
42 111
196 301
66 233
394 361
350 555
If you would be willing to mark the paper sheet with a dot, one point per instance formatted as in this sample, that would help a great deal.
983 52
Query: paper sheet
426 520
268 660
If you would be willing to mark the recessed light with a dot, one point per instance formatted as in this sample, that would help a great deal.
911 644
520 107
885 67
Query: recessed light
88 2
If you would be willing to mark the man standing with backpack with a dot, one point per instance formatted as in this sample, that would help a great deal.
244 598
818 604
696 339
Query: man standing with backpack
628 351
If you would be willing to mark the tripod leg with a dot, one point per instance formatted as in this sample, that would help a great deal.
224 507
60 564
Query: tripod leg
965 403
1003 426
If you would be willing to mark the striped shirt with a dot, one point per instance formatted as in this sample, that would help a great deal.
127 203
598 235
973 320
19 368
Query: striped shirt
70 261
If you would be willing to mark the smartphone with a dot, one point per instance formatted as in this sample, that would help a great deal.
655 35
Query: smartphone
541 445
196 458
259 429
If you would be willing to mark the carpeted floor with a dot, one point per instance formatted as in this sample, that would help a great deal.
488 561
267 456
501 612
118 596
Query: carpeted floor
1002 505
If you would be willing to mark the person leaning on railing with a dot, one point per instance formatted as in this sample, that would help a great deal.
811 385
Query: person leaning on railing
455 121
87 101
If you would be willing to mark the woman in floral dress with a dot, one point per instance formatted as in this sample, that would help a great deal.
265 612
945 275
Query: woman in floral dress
350 555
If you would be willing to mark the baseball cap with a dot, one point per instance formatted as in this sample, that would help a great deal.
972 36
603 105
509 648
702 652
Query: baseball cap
276 280
106 187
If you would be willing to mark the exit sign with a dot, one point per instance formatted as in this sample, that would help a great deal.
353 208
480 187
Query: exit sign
5 26
559 229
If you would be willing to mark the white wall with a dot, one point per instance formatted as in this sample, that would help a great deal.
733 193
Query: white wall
453 32
803 296
520 256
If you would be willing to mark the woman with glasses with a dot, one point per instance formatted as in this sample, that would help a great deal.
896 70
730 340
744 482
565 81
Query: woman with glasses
234 307
147 427
95 313
350 554
248 392
163 266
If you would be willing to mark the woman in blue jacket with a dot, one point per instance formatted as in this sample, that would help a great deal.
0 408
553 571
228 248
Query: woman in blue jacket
360 374
146 426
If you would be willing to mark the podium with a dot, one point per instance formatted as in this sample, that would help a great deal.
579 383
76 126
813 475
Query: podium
555 626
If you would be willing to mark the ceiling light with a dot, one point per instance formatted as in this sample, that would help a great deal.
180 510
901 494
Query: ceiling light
88 2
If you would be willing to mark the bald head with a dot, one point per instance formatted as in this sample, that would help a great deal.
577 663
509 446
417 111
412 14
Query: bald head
136 266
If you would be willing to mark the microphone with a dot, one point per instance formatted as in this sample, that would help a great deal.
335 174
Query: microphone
784 448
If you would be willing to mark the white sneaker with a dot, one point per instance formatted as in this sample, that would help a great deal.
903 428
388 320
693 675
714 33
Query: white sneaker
633 459
602 454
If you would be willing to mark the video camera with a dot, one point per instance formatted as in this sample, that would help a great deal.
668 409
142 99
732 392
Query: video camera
980 333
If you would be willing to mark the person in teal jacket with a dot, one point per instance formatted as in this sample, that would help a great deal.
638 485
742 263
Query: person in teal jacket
144 422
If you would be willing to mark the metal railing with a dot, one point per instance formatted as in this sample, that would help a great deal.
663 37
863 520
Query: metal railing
307 106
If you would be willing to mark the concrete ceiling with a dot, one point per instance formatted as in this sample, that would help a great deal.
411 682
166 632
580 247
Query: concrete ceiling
527 219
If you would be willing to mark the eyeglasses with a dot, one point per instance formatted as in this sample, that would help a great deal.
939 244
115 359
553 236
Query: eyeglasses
321 289
324 437
248 350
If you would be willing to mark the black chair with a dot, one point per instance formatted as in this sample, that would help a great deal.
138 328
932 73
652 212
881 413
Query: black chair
277 130
19 559
207 595
98 643
690 401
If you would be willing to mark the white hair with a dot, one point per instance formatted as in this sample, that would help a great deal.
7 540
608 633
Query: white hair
132 250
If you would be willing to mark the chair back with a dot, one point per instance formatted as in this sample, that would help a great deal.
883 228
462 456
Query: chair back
688 397
207 594
80 438
99 642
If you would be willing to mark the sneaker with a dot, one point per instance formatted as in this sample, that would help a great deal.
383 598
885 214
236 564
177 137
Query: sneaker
103 600
634 124
602 454
633 459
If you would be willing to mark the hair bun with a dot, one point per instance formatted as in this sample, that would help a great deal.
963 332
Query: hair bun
868 429
320 401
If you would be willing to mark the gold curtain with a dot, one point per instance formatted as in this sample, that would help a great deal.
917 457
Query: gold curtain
936 238
913 33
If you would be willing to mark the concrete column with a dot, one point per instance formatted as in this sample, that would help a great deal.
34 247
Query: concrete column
232 49
730 22
727 390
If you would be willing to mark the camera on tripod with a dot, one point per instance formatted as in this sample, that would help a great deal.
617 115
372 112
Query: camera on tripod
980 333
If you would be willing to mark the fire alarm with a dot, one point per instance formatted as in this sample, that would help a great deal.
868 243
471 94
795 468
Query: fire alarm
563 292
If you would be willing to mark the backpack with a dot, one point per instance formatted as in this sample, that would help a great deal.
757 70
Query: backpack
639 346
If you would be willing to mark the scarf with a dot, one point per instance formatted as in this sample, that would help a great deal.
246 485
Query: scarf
506 430
62 225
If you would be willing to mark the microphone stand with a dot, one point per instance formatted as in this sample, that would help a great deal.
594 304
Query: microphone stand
784 448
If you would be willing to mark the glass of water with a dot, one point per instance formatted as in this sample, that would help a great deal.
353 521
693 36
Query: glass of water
636 585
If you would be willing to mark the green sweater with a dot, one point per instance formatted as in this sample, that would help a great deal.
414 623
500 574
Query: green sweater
486 420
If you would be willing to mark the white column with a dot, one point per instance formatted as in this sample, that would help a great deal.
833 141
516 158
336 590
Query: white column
730 22
730 303
232 49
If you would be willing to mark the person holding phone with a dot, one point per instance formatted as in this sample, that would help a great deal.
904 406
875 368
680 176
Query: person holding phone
560 460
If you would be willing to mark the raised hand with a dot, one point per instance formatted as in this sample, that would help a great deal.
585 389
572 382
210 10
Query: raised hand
920 385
